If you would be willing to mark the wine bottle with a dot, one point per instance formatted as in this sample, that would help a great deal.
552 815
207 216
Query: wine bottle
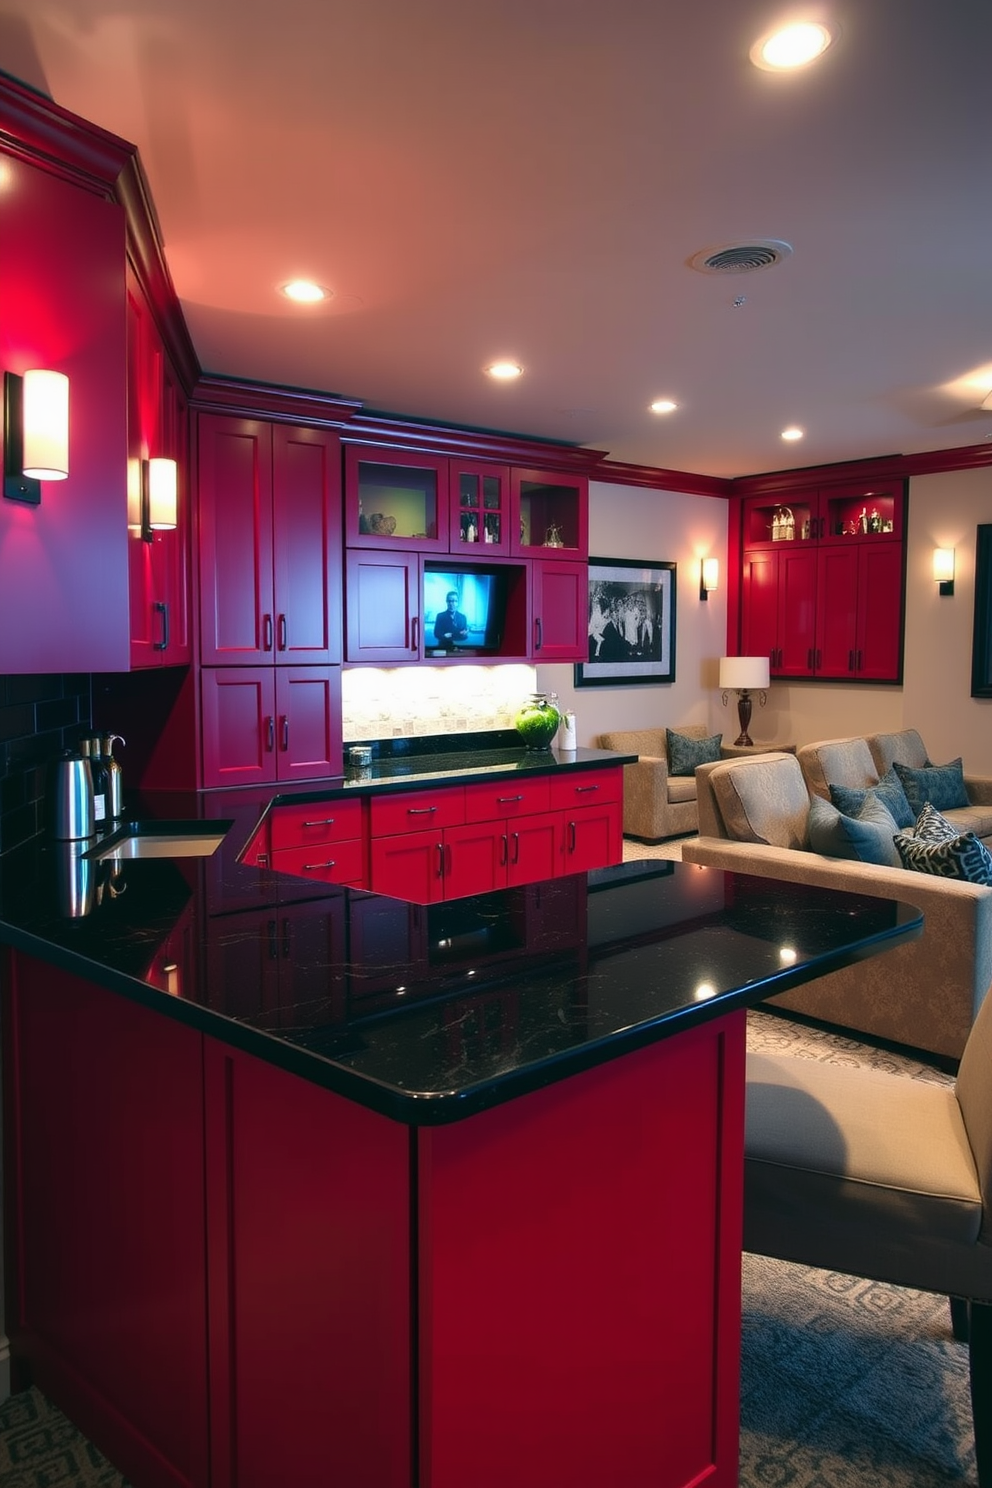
101 780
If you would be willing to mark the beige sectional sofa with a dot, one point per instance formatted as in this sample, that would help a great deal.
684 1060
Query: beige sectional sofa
753 818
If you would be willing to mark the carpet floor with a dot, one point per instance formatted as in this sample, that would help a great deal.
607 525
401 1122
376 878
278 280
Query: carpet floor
845 1383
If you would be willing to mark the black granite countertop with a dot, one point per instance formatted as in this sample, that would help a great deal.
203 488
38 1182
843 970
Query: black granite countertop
427 1014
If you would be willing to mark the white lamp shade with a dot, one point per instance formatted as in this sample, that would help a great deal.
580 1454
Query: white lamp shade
943 564
711 574
46 425
162 494
744 671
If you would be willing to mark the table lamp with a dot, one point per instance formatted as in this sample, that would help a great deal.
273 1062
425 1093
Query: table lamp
744 675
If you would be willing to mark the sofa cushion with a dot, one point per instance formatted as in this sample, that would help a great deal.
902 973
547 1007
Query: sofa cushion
763 800
905 745
941 785
865 837
963 857
932 827
889 791
681 788
685 752
838 762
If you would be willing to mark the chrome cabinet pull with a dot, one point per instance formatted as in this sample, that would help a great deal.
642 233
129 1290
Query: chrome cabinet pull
312 867
507 800
328 821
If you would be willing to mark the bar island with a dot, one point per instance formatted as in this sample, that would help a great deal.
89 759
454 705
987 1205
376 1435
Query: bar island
306 1185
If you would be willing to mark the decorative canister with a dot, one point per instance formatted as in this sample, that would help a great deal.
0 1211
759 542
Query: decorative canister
538 720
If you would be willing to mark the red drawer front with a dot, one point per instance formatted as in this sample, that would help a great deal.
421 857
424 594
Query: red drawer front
315 821
508 797
416 811
587 787
337 862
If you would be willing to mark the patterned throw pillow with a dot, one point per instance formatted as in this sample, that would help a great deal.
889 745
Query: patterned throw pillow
684 753
867 837
932 827
888 790
941 785
964 857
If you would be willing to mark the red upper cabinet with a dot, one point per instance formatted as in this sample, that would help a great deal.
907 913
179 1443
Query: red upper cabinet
158 562
263 724
559 611
395 499
269 543
857 510
549 515
479 509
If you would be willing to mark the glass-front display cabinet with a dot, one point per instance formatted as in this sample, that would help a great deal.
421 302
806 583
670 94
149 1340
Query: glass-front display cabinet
479 507
549 514
395 498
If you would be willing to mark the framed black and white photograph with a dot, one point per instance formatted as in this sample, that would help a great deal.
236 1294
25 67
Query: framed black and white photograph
631 623
981 646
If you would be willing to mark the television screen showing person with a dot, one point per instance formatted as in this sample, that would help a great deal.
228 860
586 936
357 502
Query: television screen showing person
450 625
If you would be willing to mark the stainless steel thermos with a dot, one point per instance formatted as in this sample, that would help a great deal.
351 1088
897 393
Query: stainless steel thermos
71 797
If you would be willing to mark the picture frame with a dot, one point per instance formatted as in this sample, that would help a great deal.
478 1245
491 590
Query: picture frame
631 623
981 645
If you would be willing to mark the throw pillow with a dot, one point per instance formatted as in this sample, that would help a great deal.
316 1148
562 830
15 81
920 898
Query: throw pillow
941 785
932 827
888 790
684 753
964 857
867 837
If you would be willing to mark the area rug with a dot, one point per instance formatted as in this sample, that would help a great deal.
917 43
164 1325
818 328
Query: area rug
845 1383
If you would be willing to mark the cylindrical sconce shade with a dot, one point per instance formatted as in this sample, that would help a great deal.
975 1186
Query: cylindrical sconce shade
162 495
744 671
46 425
943 564
710 574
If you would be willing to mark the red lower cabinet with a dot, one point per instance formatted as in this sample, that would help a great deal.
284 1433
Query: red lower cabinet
267 1283
263 724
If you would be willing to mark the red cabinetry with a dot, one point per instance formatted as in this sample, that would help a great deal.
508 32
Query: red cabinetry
823 582
323 841
270 723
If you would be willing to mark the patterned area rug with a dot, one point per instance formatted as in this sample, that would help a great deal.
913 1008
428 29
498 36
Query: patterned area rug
845 1383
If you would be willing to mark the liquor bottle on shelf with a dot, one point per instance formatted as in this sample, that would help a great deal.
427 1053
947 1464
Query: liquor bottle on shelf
101 780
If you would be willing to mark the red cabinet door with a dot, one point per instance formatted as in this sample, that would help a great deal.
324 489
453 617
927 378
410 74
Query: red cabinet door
383 607
592 837
395 499
837 610
549 515
308 722
759 608
238 717
533 848
306 527
409 866
475 858
560 611
880 612
796 611
479 512
234 468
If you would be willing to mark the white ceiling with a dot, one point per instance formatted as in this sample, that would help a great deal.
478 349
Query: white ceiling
529 178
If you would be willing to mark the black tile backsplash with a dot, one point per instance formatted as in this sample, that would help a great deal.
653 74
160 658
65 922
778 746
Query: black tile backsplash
39 717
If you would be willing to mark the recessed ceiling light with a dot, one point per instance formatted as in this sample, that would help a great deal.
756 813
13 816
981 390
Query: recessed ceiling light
304 291
793 432
663 405
791 46
504 371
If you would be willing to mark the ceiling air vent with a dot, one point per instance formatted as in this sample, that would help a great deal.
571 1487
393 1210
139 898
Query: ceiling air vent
741 258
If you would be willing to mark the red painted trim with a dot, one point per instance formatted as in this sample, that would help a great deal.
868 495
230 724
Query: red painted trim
661 479
264 400
147 259
35 129
478 444
884 467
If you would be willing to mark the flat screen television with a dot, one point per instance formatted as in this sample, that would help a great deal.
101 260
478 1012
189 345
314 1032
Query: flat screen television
464 611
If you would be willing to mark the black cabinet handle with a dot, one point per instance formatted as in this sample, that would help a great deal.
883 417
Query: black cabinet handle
440 860
850 661
270 733
273 945
415 633
266 632
538 633
287 940
859 661
516 847
163 609
819 658
809 660
285 731
502 851
571 836
283 634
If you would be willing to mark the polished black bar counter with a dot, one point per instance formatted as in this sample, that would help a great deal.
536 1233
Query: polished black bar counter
428 1014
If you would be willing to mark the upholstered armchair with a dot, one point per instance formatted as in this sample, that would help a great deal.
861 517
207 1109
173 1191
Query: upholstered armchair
656 803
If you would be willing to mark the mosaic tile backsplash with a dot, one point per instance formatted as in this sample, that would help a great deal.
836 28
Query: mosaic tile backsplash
410 702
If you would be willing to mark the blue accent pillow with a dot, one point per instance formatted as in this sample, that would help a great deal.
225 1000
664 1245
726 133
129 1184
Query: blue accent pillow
941 785
684 753
888 790
867 837
965 857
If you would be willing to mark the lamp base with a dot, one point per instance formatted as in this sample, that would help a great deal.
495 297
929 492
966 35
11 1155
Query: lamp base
744 718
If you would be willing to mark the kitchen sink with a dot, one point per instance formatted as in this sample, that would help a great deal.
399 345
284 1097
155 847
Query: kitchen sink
161 839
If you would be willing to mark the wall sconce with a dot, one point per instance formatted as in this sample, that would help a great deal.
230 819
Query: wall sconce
159 497
35 432
943 569
744 675
709 576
